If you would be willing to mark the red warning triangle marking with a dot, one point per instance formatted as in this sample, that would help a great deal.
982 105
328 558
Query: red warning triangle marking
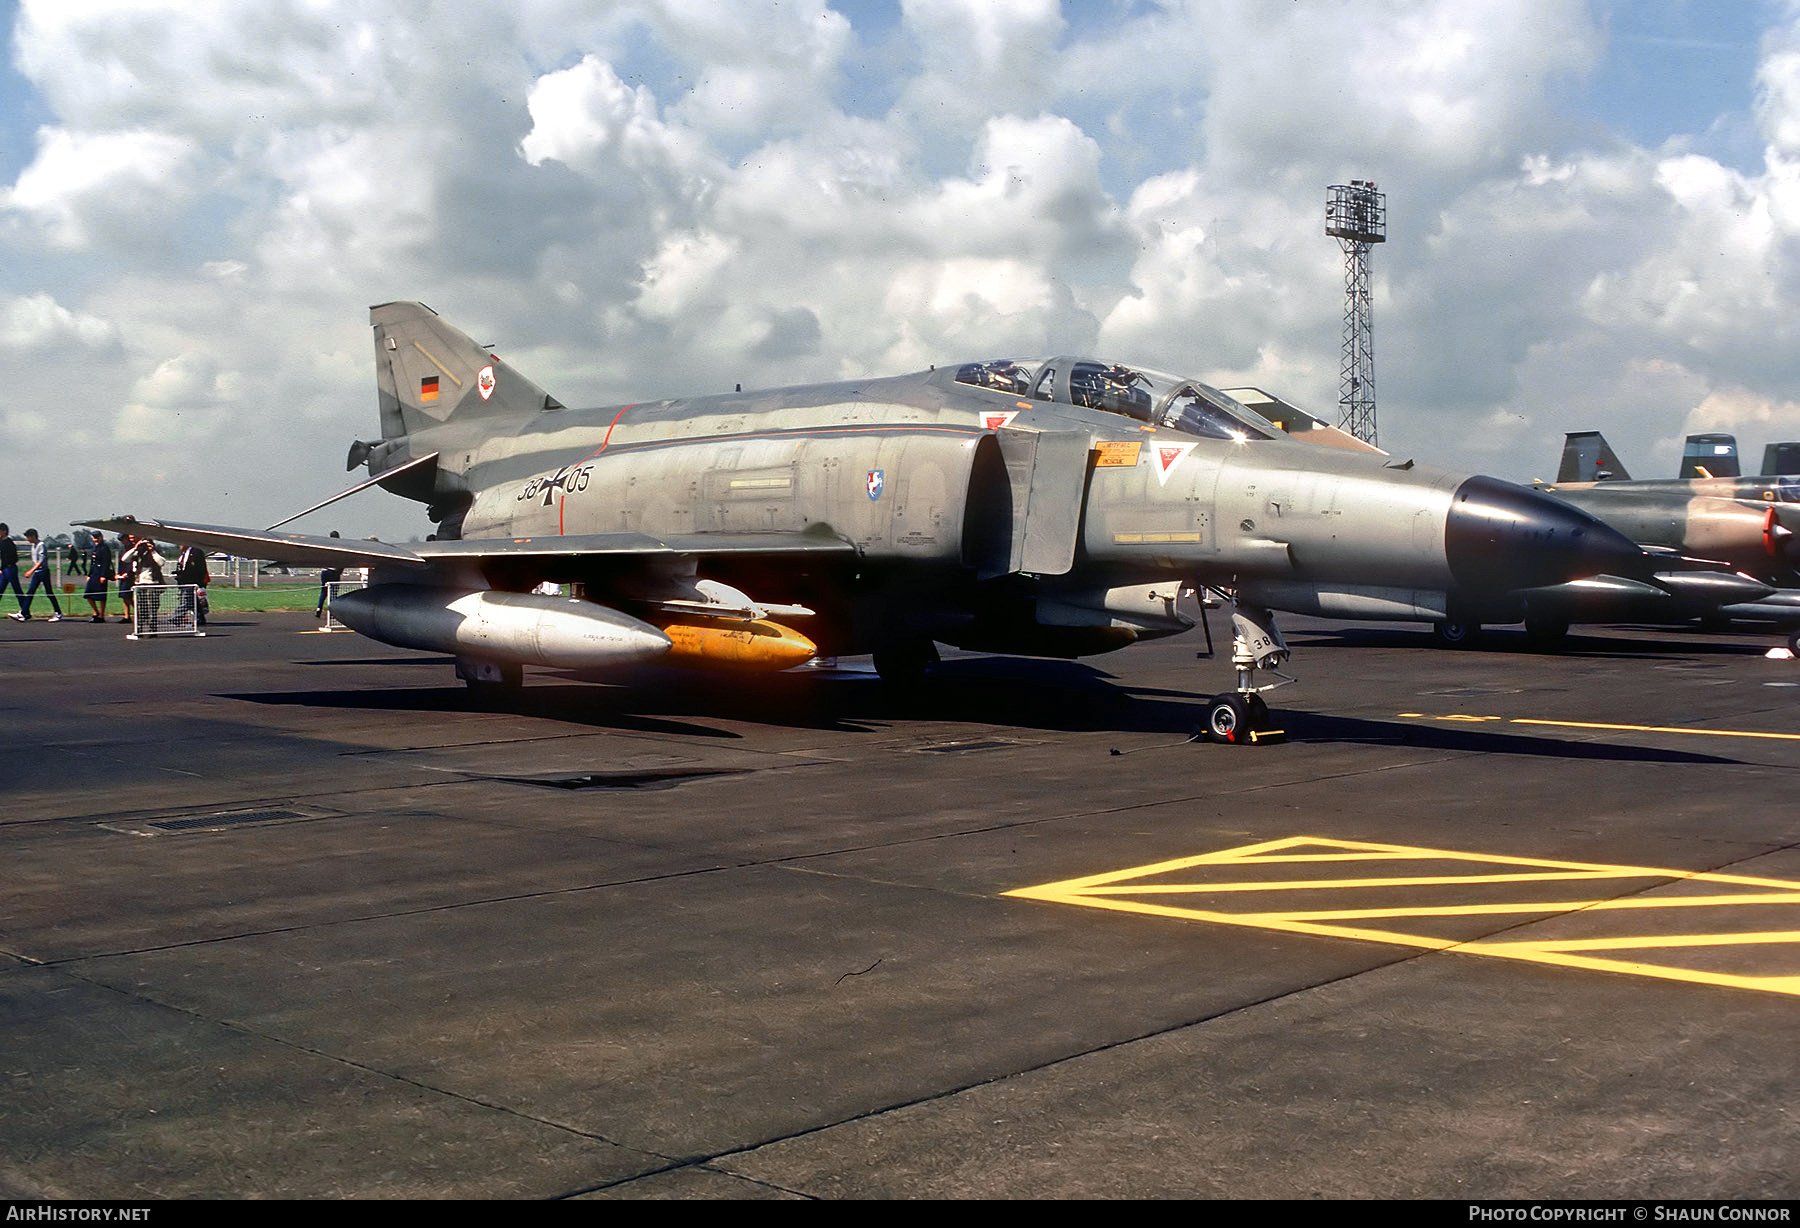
1168 455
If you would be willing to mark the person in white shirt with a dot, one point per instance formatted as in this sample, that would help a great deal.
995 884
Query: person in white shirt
38 577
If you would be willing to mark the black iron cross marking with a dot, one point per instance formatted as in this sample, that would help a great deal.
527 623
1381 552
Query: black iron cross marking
557 483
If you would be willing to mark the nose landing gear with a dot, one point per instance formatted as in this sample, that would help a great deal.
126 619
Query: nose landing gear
1241 717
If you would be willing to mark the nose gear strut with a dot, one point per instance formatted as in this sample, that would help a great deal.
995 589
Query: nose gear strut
1241 716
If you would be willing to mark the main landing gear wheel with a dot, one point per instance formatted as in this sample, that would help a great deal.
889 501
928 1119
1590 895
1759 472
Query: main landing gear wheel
490 682
904 666
1453 633
1546 633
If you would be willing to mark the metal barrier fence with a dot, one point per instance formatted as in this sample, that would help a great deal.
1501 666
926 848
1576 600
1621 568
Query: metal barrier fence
164 609
69 568
332 589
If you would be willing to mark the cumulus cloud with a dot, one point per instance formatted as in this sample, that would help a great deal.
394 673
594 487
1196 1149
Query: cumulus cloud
1220 278
760 67
37 321
1739 409
90 188
185 395
586 117
979 58
213 68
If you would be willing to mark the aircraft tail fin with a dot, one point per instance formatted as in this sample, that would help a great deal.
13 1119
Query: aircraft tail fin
1709 456
429 372
1780 459
1587 457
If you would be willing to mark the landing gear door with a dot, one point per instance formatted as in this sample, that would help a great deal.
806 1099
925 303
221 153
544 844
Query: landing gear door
1048 472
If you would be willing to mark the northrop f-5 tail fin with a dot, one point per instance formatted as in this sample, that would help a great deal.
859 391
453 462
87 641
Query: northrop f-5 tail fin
1587 457
429 372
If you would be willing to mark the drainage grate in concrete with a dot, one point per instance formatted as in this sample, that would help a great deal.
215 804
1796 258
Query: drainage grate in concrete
212 820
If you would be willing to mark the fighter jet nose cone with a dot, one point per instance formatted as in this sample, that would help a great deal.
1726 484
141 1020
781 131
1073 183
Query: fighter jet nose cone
1499 537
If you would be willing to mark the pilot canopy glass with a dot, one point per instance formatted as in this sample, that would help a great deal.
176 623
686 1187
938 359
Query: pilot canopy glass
1139 393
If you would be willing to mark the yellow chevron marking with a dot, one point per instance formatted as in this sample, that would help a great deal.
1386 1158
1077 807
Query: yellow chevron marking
1450 888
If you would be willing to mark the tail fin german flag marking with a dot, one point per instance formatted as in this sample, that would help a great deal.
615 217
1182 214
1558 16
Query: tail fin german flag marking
1706 928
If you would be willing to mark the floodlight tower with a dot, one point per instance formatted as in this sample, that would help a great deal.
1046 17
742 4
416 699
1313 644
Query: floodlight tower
1356 216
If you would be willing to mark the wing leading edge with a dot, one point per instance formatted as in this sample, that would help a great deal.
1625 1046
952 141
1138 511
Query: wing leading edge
311 551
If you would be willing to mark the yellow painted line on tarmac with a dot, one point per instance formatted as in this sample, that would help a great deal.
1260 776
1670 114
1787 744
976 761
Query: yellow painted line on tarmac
1306 884
1233 887
1522 720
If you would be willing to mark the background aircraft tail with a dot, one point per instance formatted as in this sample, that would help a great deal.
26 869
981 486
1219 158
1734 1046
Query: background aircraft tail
1781 458
1709 456
428 373
1587 457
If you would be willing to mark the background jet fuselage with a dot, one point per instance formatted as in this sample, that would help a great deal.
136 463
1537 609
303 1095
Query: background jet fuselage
1748 522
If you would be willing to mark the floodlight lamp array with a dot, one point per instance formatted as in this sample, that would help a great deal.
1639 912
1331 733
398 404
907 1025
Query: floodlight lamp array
1356 212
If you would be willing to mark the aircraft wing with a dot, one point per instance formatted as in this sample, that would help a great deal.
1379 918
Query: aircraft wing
311 551
642 544
297 548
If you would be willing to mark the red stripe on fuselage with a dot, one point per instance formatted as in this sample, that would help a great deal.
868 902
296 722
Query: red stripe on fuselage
590 456
609 430
867 428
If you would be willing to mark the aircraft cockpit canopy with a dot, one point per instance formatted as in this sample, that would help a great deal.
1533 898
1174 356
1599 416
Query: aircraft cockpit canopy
1116 389
1200 409
1001 374
1154 397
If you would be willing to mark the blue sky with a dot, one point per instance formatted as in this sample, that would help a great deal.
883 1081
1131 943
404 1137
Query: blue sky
22 111
1679 68
1594 214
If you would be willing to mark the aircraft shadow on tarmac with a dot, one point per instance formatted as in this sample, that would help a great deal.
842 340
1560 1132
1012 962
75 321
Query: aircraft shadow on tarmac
996 691
1320 727
1654 643
1005 692
439 662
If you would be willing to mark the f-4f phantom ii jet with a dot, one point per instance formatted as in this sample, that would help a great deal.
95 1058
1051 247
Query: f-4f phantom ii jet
1047 507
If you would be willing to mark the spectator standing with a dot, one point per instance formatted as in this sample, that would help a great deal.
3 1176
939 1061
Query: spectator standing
36 578
127 543
9 566
100 571
327 577
191 569
144 568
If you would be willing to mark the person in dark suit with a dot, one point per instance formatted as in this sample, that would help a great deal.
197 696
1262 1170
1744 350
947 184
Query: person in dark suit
100 574
9 566
327 577
191 569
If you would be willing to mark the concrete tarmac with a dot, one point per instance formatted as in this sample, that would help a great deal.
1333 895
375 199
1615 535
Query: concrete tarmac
285 916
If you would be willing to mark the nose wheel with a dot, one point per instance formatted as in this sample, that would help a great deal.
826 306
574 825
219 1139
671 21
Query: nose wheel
1235 718
1241 717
